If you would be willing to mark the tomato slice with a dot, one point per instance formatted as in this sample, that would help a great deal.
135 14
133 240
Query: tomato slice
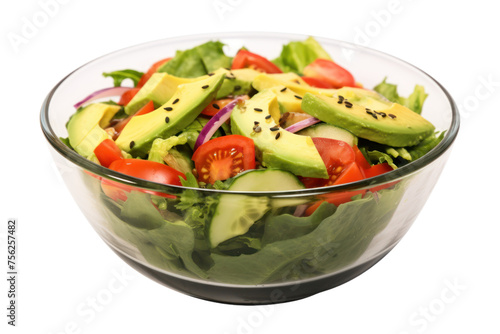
149 107
107 152
360 159
327 70
145 77
245 58
318 83
143 169
127 96
214 107
378 170
224 157
336 154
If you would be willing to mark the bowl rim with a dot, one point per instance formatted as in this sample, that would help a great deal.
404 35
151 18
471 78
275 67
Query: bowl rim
109 174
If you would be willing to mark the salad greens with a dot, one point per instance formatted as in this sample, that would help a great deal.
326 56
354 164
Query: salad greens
282 241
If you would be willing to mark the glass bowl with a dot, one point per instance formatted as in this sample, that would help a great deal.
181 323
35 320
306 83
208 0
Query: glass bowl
295 257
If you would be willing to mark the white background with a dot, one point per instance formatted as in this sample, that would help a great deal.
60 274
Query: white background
63 265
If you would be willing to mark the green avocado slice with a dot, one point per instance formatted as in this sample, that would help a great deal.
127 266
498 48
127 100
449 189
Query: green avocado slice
368 116
169 119
275 147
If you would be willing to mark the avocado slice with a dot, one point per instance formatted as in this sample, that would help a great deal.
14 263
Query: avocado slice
159 89
161 86
258 119
85 128
291 81
172 117
367 115
237 82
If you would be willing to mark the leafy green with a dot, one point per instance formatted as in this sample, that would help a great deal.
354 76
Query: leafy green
337 241
119 76
198 61
286 226
298 54
425 145
414 102
160 147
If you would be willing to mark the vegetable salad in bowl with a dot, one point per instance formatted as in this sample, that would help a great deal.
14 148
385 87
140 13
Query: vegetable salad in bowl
230 173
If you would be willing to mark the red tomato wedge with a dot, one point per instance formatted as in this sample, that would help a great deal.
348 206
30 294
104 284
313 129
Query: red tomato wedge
336 155
107 152
328 71
360 159
318 83
143 169
145 77
224 157
245 58
149 107
127 96
378 170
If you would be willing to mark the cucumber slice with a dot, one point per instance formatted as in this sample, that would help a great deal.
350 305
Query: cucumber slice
235 214
330 131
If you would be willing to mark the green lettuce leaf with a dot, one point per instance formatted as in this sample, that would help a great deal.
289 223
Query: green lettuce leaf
337 241
161 147
414 102
298 54
425 145
119 76
198 61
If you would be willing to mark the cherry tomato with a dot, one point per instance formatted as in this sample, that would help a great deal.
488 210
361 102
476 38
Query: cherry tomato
245 58
143 169
224 157
318 83
107 152
328 71
128 96
145 77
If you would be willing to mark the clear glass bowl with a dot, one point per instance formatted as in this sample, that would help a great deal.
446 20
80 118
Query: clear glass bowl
304 256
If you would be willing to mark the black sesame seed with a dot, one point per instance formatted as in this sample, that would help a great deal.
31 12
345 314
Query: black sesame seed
383 114
298 96
274 128
216 106
341 99
237 87
168 108
175 101
257 109
210 74
204 87
132 144
268 117
367 109
374 115
283 89
256 123
391 116
167 119
297 82
348 104
277 135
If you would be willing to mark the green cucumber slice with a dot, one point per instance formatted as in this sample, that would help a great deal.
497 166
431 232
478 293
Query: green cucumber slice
235 214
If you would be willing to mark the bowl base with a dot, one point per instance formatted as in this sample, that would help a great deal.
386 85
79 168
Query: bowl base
252 294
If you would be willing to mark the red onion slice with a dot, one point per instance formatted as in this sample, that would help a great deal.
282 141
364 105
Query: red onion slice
101 93
302 124
214 123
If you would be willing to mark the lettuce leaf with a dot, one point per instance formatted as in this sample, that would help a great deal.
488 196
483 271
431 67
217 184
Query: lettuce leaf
414 102
198 61
298 54
119 76
161 147
337 241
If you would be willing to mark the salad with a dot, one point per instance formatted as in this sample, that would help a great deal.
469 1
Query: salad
243 123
